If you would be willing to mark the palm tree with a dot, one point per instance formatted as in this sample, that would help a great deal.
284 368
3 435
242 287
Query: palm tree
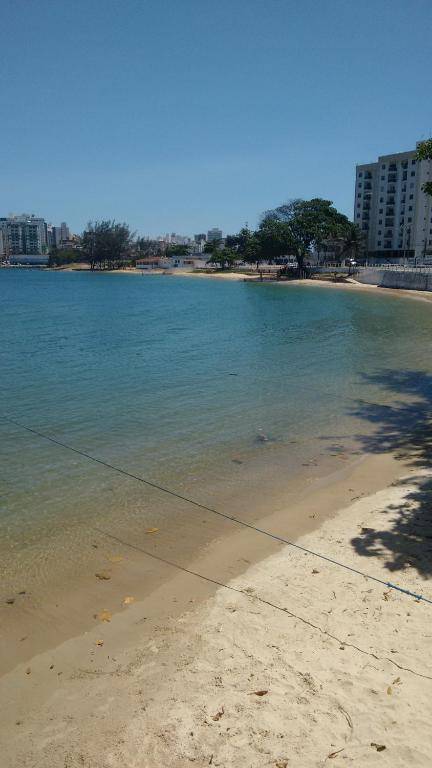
354 243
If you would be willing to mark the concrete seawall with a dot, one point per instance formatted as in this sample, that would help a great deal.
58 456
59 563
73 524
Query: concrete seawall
388 278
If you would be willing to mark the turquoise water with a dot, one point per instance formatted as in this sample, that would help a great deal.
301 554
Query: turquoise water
197 384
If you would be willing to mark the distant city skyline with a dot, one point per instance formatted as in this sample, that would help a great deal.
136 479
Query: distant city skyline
204 123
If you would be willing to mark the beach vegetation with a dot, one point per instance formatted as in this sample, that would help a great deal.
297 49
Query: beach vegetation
107 244
307 225
62 257
224 258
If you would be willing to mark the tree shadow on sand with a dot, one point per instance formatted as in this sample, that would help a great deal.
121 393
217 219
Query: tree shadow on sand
404 427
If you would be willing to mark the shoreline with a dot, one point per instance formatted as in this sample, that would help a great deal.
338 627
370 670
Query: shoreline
351 284
134 637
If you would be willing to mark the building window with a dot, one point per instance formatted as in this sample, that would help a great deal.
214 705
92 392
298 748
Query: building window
412 173
381 199
382 178
381 210
361 173
411 197
380 221
358 215
380 232
383 167
379 242
413 162
409 219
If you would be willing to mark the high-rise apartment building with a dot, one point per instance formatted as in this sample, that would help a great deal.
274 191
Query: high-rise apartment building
24 234
214 234
391 208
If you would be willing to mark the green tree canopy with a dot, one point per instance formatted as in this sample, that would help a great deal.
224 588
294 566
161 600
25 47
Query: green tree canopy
223 257
424 152
106 244
308 224
177 250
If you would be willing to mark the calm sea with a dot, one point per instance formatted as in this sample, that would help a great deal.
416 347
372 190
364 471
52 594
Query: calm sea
213 388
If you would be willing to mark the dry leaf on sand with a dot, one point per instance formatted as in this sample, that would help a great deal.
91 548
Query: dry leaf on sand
378 747
218 714
104 615
103 575
152 530
333 754
99 642
128 600
258 693
115 558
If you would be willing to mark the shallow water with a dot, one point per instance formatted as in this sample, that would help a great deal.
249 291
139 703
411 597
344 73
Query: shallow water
220 390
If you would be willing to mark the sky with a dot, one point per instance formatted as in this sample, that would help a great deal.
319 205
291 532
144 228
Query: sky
181 115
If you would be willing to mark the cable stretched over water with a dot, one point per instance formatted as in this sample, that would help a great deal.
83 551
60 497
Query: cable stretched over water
213 511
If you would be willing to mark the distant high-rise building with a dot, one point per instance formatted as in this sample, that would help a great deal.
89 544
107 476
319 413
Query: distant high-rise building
200 237
391 208
214 234
23 234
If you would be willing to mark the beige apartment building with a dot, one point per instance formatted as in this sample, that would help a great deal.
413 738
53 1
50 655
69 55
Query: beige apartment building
391 208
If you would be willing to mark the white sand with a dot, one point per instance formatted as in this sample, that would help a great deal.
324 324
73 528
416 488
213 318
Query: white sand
346 665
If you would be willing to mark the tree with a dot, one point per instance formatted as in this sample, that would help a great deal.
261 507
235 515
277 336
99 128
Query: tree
59 258
106 244
224 257
309 224
424 152
212 245
146 247
354 242
249 246
275 238
177 250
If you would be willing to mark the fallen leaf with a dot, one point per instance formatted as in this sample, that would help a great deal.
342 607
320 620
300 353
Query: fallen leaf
152 530
397 681
315 571
258 693
104 615
115 558
103 575
10 600
333 754
389 690
281 763
378 747
365 529
28 671
218 714
128 600
99 642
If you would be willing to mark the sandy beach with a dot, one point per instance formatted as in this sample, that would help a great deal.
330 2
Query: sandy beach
294 661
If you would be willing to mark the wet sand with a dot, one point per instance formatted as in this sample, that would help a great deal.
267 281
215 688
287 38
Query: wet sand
112 694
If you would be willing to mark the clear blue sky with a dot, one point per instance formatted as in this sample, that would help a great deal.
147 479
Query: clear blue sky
178 115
